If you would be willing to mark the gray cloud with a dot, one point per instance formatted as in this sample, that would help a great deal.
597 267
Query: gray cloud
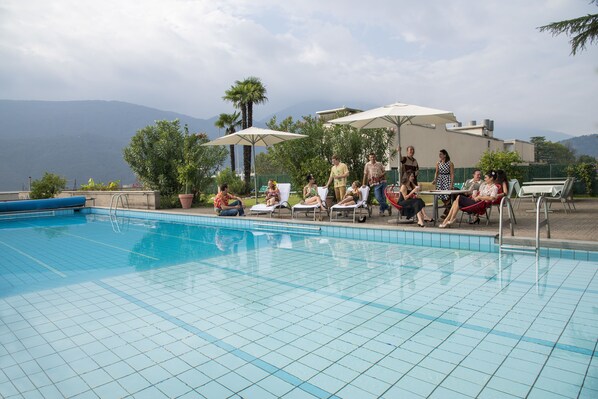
478 59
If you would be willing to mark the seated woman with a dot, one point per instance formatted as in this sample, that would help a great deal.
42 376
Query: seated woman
310 193
353 196
503 182
272 193
487 193
412 206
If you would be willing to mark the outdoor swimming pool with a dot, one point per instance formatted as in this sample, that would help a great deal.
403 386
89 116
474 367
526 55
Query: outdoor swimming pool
93 306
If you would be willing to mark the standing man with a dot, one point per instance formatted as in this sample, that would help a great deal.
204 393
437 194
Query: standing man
338 173
409 163
375 175
223 205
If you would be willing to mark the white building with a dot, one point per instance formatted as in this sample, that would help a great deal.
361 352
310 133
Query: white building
465 144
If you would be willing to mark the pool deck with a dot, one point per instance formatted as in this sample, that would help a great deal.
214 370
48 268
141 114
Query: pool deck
577 229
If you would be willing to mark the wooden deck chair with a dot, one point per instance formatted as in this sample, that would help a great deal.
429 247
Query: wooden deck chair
315 208
359 206
285 192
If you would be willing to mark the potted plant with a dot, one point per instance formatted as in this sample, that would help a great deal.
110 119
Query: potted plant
185 175
187 171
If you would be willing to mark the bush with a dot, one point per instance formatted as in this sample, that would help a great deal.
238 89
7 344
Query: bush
235 183
93 186
47 187
169 201
585 172
502 160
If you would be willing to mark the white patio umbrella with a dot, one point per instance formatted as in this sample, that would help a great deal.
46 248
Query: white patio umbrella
254 136
394 116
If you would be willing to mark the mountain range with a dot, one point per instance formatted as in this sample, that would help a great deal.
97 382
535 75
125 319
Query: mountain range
84 139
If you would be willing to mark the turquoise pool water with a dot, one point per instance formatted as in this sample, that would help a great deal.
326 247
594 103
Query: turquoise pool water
92 306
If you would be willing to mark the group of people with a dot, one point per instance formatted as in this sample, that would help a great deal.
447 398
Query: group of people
495 184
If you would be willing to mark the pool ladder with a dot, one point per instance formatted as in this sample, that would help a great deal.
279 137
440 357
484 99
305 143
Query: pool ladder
121 198
539 224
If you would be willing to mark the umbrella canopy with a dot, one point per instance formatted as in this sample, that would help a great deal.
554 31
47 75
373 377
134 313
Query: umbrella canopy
394 116
255 136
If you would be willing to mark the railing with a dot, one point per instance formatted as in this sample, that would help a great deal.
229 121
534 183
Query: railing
114 201
539 224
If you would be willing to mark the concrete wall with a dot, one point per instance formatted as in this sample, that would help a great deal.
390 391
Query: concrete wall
137 199
9 196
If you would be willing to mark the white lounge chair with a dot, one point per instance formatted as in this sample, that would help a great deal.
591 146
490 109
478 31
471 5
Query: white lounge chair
359 206
323 193
285 191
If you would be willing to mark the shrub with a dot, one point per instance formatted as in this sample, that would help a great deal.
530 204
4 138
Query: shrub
235 183
92 185
502 160
47 187
586 172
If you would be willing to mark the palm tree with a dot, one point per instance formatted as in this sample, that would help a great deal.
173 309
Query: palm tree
583 29
230 122
243 94
255 94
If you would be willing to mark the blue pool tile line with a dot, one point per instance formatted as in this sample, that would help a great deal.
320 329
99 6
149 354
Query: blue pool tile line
241 354
419 315
449 240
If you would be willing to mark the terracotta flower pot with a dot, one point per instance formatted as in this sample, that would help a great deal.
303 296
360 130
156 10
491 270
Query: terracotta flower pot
186 200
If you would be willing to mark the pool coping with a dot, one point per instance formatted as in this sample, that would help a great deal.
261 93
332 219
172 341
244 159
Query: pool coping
481 242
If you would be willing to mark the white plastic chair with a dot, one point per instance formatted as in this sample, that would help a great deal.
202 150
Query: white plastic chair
359 206
565 196
285 192
323 193
518 190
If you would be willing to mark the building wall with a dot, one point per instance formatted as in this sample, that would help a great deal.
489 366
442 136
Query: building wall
465 149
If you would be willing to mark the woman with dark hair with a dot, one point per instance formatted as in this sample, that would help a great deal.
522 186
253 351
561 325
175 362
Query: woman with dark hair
412 206
503 181
487 193
310 193
444 177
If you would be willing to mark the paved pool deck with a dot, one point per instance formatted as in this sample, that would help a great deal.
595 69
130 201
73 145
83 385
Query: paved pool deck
577 229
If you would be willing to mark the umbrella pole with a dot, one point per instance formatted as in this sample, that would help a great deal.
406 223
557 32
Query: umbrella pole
254 172
399 155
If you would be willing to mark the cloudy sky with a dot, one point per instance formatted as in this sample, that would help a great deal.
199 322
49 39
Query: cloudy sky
479 59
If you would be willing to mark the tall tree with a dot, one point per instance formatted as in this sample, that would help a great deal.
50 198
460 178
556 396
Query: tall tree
243 94
582 30
548 152
229 122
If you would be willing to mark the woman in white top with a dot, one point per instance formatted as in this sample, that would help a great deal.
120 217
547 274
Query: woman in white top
487 193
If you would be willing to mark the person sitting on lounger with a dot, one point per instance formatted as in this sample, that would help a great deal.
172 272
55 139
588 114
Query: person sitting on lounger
353 196
412 206
310 193
487 193
272 193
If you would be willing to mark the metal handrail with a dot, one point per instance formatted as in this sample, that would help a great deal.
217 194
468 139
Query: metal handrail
500 212
539 224
114 202
541 201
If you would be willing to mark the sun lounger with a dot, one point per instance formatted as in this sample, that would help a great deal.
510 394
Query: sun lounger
285 191
359 206
315 208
